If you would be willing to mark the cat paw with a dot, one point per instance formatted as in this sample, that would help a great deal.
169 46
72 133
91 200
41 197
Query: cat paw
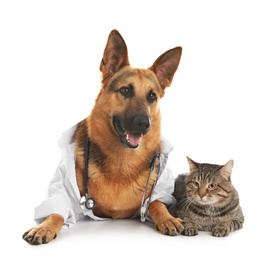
220 232
190 231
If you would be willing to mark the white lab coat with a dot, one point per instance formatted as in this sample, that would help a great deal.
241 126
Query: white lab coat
63 194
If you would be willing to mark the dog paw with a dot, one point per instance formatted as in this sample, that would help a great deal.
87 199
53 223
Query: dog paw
39 235
44 232
171 227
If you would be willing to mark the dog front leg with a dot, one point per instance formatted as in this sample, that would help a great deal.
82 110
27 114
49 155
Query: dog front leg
164 221
44 232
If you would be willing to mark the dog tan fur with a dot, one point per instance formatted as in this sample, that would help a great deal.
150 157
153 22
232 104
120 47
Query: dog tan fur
124 133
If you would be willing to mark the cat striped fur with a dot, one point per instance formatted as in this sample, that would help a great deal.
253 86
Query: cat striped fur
207 199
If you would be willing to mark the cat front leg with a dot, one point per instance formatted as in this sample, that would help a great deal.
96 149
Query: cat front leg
222 229
190 227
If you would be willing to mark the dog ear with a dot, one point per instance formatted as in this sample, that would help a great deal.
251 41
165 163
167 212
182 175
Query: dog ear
115 54
166 65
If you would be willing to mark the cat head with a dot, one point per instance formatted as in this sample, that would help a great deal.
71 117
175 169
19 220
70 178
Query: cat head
209 183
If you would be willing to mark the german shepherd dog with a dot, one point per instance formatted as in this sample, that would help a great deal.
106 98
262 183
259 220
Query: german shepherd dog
124 132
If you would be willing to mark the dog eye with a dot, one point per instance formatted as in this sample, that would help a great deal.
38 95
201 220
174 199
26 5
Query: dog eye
151 97
127 92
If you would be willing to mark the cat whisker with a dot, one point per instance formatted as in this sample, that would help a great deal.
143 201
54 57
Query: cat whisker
186 204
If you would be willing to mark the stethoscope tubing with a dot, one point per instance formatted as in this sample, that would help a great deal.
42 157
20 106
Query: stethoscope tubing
88 203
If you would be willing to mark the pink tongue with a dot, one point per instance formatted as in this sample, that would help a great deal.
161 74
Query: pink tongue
134 139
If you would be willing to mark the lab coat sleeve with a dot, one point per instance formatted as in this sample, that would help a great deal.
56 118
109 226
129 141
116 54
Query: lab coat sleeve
164 188
165 185
58 200
163 191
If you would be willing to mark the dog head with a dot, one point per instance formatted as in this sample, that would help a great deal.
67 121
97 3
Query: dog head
129 96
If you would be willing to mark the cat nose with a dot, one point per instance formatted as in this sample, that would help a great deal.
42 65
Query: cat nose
201 195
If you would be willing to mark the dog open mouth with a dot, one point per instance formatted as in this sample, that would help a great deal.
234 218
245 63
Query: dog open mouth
129 139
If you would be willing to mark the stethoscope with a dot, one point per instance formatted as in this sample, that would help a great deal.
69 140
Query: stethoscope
87 203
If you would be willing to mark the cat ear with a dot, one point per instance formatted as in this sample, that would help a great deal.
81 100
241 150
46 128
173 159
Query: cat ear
192 164
227 169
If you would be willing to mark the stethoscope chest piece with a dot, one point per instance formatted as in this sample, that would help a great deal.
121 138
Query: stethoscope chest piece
86 203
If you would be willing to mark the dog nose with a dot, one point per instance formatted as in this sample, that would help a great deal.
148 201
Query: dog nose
141 123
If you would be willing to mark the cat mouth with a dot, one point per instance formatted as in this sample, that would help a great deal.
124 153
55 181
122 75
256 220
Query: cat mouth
205 201
202 202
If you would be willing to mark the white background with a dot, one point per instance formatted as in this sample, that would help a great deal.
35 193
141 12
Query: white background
214 111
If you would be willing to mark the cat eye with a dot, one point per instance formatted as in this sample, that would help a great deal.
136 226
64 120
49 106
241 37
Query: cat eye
196 184
212 186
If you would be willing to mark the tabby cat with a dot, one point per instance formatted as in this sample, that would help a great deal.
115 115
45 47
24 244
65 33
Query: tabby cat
207 200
